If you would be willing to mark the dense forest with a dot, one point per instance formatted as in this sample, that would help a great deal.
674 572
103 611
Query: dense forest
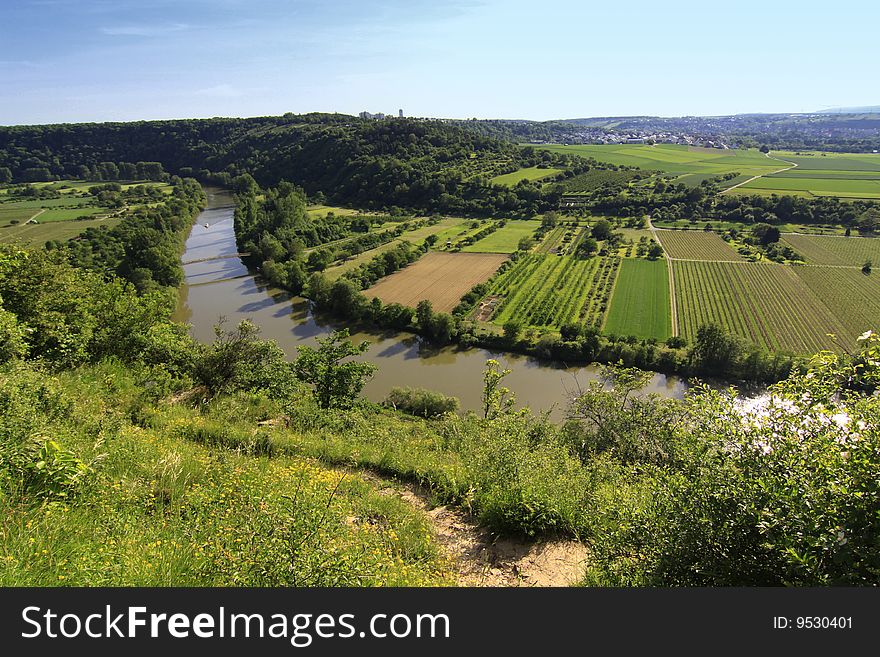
425 165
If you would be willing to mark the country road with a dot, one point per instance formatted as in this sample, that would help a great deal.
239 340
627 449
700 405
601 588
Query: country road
761 175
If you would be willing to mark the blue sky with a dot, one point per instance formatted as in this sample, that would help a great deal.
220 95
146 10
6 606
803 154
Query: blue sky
97 60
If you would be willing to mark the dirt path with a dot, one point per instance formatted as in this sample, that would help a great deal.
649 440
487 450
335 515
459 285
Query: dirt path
792 165
481 559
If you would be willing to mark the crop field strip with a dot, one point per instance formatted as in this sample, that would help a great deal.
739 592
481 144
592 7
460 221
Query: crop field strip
674 159
768 305
505 239
696 245
831 250
844 187
596 178
851 295
640 304
416 237
548 291
529 173
552 240
38 234
441 278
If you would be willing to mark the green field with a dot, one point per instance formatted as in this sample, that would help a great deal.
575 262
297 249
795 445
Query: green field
416 236
822 250
38 234
322 210
529 173
821 161
675 159
640 302
596 178
505 239
696 245
851 295
845 175
59 218
859 187
767 305
549 291
18 214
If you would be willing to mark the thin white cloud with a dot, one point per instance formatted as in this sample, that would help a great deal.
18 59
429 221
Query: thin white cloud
144 30
220 91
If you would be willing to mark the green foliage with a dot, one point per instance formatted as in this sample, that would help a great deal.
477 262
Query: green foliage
238 360
67 316
421 402
188 499
497 399
612 417
335 384
714 350
33 458
782 494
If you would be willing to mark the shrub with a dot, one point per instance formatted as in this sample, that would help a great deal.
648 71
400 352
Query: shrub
421 402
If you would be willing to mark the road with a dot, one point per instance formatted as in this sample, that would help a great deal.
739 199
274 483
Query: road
761 175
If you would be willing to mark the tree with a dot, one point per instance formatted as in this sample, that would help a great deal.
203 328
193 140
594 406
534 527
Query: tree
512 330
335 384
319 259
714 350
442 328
5 175
587 247
866 268
765 233
602 230
237 359
549 220
526 243
570 331
497 399
654 251
424 315
764 148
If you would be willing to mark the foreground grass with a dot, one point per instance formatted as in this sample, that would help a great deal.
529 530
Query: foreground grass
160 509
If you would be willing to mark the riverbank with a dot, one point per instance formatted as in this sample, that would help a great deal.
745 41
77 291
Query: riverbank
221 286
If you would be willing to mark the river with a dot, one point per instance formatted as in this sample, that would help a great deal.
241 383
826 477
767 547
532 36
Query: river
219 285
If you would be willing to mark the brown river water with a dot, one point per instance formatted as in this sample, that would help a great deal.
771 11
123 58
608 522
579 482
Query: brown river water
219 285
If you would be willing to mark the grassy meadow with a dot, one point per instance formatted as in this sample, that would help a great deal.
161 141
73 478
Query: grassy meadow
505 239
815 174
34 221
640 302
675 159
528 173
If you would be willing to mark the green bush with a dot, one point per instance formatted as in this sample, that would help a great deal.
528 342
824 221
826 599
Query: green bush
421 402
33 458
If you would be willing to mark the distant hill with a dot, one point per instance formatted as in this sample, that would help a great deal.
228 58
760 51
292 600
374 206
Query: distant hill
867 109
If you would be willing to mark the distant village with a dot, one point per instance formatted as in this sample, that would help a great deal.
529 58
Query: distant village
602 136
379 115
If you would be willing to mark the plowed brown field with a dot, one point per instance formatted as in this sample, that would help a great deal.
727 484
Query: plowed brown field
441 278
